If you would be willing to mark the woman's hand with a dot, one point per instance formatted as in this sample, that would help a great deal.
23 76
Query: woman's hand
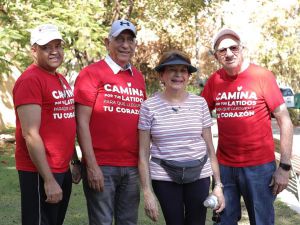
151 206
218 192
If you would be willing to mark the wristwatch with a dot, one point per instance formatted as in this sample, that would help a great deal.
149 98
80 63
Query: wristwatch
75 162
285 167
219 184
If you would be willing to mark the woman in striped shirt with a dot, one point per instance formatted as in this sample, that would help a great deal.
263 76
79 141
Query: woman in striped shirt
176 125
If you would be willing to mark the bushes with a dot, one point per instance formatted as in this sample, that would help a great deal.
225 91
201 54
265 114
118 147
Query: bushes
295 116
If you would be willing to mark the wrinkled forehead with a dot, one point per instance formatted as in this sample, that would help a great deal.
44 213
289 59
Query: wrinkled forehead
227 41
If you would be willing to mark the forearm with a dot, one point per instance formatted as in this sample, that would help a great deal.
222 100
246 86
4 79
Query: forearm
286 141
37 154
144 157
286 133
144 175
207 136
85 142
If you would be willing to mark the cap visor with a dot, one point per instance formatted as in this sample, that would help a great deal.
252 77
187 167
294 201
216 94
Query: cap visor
121 30
191 69
51 37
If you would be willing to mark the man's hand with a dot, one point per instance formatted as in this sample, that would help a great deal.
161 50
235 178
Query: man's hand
76 173
53 191
95 178
280 180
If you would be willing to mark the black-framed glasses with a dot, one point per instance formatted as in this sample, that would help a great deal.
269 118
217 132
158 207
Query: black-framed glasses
233 48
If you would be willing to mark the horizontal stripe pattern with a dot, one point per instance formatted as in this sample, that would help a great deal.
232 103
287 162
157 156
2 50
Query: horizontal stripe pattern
175 131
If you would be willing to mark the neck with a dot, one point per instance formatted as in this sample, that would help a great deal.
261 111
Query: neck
236 71
53 72
175 97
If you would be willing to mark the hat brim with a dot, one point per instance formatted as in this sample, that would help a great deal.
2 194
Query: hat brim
191 69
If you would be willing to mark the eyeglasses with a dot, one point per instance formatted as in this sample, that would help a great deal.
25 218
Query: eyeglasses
234 49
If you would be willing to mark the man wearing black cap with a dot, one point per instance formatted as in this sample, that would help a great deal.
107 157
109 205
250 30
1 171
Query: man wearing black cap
244 95
108 95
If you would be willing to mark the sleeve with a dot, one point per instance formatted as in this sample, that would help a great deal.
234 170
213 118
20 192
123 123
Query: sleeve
271 91
207 94
28 91
206 118
86 88
145 117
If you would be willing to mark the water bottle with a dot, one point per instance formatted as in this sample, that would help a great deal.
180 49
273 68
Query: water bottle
211 202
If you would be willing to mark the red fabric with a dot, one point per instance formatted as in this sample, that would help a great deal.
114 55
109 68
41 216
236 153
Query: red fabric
36 86
116 100
243 105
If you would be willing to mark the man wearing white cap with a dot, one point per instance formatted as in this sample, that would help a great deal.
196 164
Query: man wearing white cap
108 95
45 131
244 96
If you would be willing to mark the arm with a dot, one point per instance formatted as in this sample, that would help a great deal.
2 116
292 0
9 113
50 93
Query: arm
281 177
30 119
206 134
151 206
94 173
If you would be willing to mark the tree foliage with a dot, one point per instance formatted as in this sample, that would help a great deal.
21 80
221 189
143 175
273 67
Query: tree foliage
188 25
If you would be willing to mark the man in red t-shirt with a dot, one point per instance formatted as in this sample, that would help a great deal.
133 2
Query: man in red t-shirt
244 95
45 132
108 95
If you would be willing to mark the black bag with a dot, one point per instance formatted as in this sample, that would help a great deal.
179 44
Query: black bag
182 172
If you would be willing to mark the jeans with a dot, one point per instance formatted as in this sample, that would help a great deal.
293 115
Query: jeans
118 202
252 183
182 204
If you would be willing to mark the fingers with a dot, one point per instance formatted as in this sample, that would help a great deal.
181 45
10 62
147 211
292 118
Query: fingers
152 213
95 179
279 181
76 174
54 197
278 188
221 206
53 191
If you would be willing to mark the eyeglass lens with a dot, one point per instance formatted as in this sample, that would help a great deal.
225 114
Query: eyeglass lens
234 49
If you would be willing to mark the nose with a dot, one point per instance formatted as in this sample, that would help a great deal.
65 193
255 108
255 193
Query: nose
229 52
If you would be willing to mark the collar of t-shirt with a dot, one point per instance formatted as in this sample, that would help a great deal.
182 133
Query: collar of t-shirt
115 67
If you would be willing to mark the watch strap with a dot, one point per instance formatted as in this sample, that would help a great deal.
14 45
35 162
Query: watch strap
285 166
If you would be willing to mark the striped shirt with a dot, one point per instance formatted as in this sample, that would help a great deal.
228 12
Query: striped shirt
175 131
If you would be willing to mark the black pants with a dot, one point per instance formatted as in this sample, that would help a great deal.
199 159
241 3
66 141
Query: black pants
182 204
34 209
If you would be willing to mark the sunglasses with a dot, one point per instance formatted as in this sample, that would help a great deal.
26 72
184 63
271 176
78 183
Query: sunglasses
234 49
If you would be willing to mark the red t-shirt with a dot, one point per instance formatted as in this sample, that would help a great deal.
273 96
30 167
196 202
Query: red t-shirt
116 100
58 125
243 104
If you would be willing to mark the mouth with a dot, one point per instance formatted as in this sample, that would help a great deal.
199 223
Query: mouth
54 58
125 52
177 81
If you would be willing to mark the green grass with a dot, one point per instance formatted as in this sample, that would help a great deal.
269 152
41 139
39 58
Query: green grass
77 212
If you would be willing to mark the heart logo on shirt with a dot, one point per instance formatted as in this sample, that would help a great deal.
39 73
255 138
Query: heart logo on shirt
239 88
129 84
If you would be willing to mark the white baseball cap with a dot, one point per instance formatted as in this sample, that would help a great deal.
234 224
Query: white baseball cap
120 25
222 32
45 33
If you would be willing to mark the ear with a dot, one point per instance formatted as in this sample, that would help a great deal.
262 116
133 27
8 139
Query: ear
216 57
106 42
34 51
